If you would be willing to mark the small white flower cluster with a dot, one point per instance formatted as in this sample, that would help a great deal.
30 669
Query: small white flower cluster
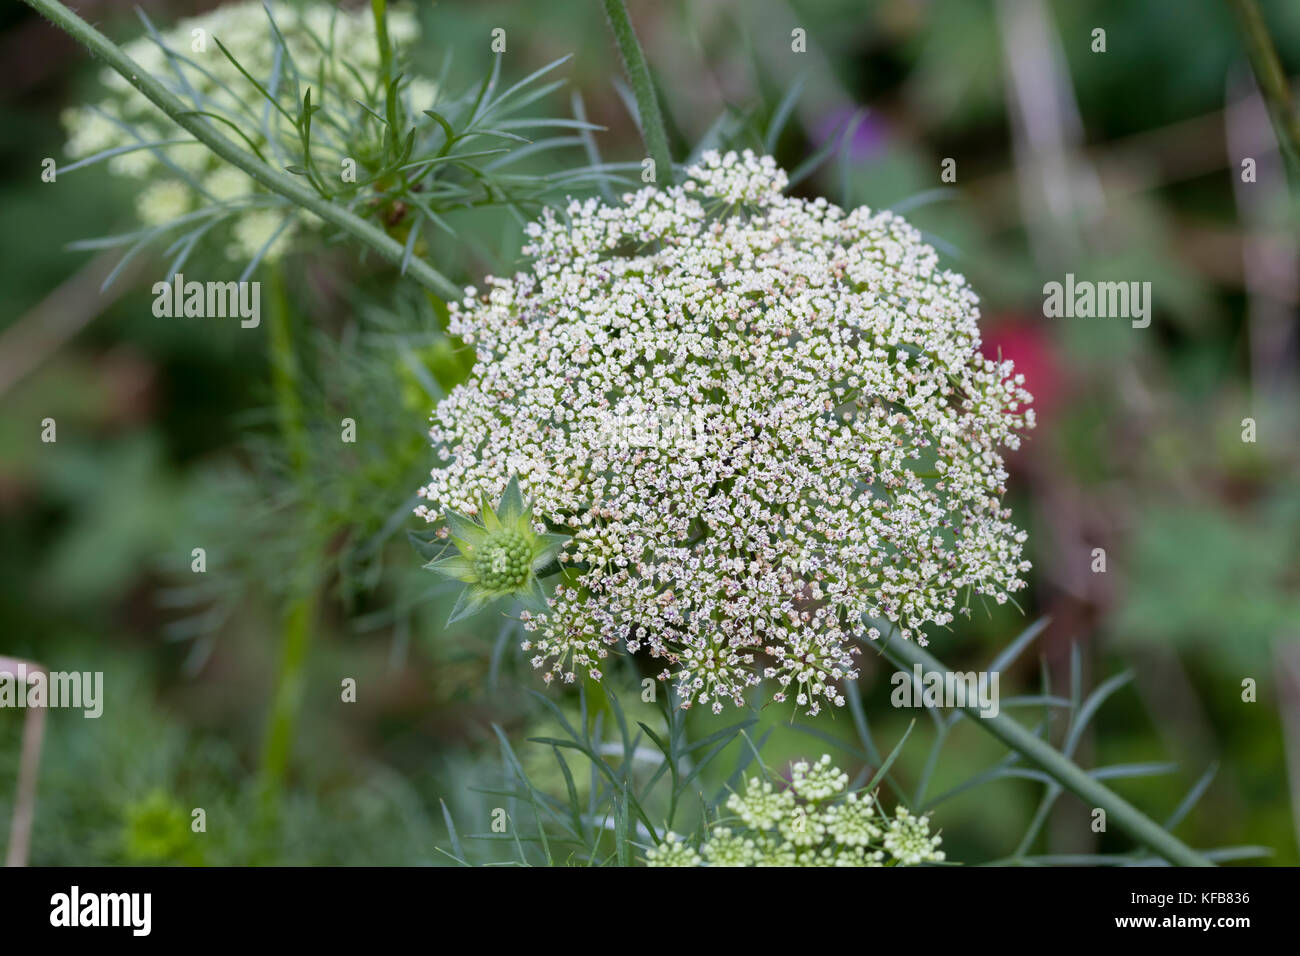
322 42
848 466
812 823
908 838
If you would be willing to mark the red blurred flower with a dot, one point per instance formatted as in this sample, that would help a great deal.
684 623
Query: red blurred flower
1024 341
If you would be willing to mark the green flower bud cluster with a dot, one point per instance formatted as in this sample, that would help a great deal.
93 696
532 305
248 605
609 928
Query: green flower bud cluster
499 555
813 822
502 562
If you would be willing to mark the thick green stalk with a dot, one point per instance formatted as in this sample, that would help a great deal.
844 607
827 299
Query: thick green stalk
647 103
1270 76
283 184
286 701
284 372
1068 774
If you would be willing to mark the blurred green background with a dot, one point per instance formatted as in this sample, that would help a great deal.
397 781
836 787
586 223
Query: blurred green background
1120 165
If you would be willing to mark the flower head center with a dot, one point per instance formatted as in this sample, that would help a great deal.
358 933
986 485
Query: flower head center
502 561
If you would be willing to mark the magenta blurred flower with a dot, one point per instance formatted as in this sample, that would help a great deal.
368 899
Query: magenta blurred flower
867 129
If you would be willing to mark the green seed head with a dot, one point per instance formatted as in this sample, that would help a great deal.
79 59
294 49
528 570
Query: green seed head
496 554
502 560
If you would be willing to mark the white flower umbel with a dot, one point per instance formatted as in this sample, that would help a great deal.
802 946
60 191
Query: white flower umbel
325 44
826 826
843 460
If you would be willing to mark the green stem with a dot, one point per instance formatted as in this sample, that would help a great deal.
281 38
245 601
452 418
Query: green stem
280 731
647 103
284 372
296 634
379 9
274 180
1270 76
1068 774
